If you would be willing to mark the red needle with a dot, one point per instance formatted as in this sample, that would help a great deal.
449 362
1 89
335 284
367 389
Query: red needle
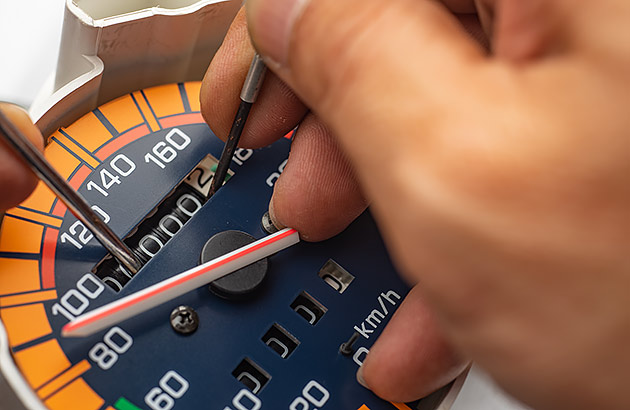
175 286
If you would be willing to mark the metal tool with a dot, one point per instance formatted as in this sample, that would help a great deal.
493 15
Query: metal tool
72 199
249 93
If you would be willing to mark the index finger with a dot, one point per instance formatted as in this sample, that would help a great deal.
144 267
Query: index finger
276 112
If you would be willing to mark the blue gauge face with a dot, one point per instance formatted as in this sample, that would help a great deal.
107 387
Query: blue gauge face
144 162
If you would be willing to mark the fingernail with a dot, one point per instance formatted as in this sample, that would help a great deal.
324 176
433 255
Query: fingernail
23 109
16 107
360 378
271 24
272 216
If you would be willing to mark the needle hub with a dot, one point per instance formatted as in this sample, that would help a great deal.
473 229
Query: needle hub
241 283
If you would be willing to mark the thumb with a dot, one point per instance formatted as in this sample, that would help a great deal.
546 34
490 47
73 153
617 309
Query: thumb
411 358
349 59
381 72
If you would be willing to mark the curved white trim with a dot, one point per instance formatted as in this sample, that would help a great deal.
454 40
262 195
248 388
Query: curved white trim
13 376
142 12
48 98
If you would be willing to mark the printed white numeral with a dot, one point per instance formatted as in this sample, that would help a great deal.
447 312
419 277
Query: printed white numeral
245 400
115 342
122 165
241 155
312 394
176 134
79 235
103 356
127 165
97 286
77 229
172 386
74 302
102 213
271 180
92 185
162 154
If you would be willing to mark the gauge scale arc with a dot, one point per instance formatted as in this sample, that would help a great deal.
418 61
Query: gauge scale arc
144 162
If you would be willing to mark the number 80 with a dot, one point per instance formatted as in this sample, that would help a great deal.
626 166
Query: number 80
304 403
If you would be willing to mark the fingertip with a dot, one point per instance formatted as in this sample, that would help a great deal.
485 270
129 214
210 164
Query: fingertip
411 358
326 50
16 179
224 78
361 378
272 216
318 193
14 110
277 110
271 23
22 119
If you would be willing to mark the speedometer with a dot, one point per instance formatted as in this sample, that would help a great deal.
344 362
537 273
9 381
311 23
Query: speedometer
266 337
144 162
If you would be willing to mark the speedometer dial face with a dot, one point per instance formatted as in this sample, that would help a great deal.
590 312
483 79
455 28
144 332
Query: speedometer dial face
144 161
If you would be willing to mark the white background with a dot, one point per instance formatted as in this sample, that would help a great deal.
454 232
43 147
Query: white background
30 32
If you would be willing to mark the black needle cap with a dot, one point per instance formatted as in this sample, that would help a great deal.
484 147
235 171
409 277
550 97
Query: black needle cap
240 284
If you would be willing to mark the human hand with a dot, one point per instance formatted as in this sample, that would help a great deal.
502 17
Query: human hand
500 182
324 207
16 179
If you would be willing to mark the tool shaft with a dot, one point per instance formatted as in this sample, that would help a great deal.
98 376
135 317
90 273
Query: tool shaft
254 80
249 94
230 147
75 202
